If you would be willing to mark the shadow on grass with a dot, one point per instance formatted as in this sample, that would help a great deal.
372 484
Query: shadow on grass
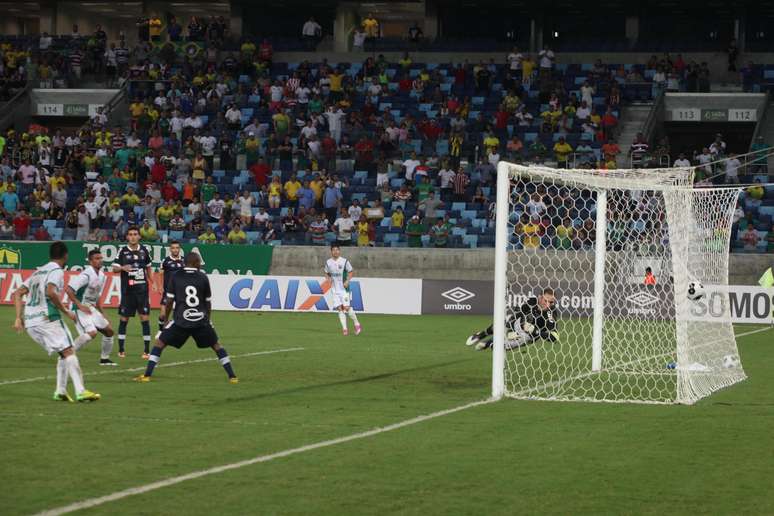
352 381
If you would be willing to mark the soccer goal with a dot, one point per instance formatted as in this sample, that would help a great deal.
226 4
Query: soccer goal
590 236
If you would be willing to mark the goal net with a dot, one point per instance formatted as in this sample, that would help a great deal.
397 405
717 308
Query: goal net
590 236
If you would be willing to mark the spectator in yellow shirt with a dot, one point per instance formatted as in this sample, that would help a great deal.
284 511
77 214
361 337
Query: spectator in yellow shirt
530 233
562 151
136 109
148 232
154 26
371 30
247 48
317 187
291 188
130 198
397 218
208 236
491 142
275 191
371 26
527 67
236 235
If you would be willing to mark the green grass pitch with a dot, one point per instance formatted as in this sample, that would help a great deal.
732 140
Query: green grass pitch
509 457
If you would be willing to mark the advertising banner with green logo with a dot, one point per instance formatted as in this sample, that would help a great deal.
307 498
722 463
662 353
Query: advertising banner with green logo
216 259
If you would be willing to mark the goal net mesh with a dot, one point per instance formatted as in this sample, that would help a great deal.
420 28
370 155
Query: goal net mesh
654 348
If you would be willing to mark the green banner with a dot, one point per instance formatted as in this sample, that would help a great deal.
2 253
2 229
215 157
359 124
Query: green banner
218 259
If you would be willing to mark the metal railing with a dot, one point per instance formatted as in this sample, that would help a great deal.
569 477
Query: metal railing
109 108
9 111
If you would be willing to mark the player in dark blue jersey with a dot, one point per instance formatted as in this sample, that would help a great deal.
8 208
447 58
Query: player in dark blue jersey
171 264
190 297
134 264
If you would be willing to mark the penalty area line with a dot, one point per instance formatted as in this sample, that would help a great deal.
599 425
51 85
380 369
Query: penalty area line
114 370
118 495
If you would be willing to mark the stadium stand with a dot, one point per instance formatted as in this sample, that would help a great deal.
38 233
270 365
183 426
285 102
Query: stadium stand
220 134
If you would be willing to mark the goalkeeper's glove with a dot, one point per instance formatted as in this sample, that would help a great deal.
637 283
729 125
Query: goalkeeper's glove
529 328
553 336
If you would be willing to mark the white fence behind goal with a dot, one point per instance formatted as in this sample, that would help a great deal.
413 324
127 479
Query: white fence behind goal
589 235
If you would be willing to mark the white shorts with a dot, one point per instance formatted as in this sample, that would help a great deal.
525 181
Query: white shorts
340 299
87 323
53 336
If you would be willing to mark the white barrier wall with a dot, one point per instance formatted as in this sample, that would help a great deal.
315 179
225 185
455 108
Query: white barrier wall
742 304
309 294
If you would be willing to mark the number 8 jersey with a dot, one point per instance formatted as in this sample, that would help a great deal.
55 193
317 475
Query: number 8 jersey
190 290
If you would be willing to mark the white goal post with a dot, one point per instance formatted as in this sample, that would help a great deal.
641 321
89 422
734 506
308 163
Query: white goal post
589 236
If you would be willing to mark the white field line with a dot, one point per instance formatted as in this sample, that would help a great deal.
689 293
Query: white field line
118 495
557 383
114 370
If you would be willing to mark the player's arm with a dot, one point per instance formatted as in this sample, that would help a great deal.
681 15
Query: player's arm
549 332
327 272
350 273
53 297
149 272
151 280
119 265
71 294
76 283
18 303
169 305
207 299
525 314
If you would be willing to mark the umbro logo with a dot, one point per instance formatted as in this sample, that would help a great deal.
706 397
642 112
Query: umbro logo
642 299
458 294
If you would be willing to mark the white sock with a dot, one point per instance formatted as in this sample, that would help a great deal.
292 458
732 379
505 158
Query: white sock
61 376
81 341
353 316
107 347
343 320
74 369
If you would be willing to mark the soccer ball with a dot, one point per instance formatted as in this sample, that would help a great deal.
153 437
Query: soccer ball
695 291
730 361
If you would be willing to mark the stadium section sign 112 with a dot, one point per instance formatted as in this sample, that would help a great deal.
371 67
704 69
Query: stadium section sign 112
313 294
217 259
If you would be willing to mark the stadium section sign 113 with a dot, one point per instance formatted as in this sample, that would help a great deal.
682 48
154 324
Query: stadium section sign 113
313 294
216 259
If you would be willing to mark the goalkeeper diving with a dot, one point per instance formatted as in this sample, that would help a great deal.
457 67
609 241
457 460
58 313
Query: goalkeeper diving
533 321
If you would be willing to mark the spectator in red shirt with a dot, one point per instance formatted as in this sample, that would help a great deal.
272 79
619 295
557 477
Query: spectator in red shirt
431 129
328 144
461 182
21 225
41 234
261 172
156 141
501 118
364 154
609 123
265 51
610 150
169 192
459 75
404 85
158 172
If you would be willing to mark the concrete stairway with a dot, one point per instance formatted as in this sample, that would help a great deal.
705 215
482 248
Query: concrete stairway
631 122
